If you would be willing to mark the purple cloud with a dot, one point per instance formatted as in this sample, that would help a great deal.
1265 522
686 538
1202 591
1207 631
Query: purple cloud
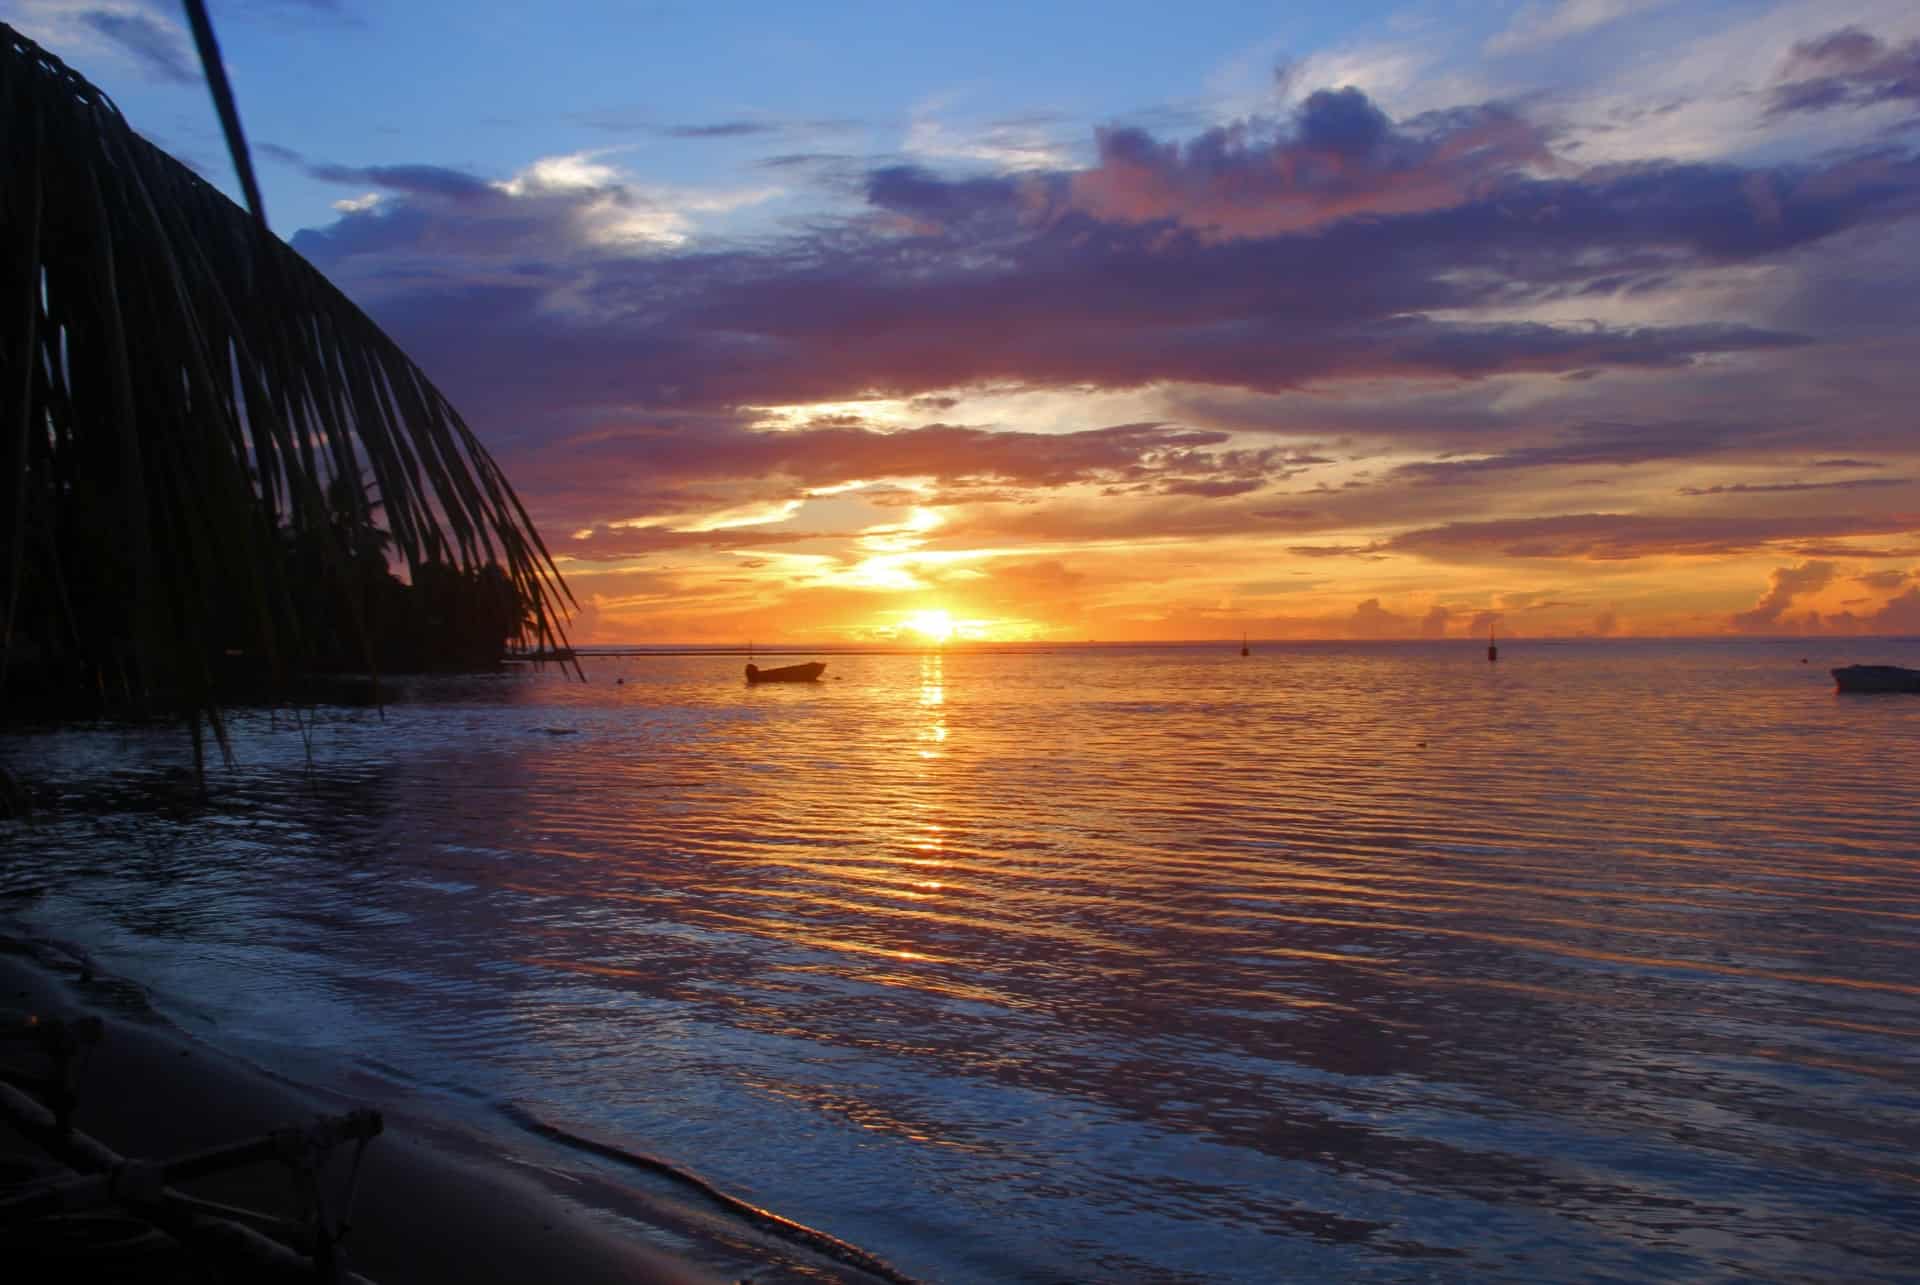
679 470
1786 584
1290 263
1901 615
1816 549
1884 581
1847 68
1617 445
1341 157
1211 488
1623 536
931 204
1368 552
1371 620
433 181
722 129
158 48
928 306
1776 488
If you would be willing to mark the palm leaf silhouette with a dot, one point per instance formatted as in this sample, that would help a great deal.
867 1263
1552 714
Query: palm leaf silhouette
177 388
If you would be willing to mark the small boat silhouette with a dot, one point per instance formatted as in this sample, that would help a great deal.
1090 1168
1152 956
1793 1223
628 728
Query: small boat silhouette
807 673
1876 678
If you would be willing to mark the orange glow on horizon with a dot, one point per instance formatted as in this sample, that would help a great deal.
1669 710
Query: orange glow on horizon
992 572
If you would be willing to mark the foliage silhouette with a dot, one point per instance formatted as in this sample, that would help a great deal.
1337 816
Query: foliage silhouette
188 408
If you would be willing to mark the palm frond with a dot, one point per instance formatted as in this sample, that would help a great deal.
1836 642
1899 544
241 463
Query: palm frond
215 68
177 388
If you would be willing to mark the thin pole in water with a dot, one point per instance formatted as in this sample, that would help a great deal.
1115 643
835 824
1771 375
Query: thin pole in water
1493 651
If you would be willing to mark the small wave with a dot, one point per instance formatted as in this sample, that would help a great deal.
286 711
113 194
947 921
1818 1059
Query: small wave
786 1228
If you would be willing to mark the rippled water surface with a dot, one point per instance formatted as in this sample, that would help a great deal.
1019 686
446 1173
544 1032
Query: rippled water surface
1358 962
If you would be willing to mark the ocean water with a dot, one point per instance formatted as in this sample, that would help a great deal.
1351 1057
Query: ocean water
1360 962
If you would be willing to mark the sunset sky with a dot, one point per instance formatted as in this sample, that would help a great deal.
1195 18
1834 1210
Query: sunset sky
1126 320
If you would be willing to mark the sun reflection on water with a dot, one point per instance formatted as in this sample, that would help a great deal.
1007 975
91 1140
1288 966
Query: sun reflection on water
933 697
1454 960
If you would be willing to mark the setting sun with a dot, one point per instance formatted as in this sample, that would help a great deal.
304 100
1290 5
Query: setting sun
934 626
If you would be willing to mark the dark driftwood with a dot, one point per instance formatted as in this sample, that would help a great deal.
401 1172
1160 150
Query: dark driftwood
142 1188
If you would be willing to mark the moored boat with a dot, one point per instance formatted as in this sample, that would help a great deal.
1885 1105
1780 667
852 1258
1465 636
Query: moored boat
807 673
1876 678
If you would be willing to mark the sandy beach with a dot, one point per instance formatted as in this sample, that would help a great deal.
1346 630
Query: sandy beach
424 1212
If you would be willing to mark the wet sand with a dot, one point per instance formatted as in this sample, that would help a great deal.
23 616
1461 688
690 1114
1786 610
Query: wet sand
423 1212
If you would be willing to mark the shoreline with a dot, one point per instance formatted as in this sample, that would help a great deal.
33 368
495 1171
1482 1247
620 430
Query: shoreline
434 1202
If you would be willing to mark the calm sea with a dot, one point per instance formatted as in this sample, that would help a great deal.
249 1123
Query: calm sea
1334 962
